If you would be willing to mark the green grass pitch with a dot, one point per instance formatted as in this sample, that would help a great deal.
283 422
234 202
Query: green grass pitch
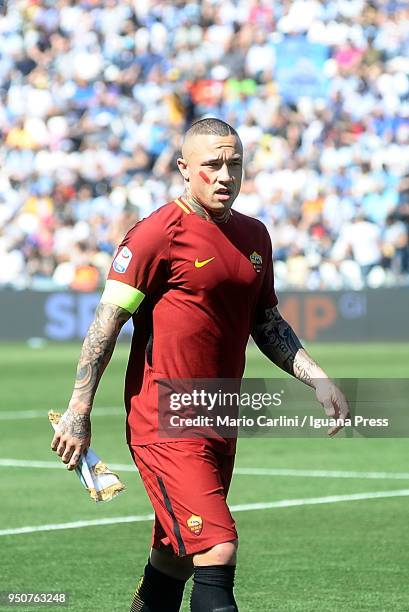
342 556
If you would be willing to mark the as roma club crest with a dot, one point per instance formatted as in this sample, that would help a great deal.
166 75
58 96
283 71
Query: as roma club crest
256 260
195 524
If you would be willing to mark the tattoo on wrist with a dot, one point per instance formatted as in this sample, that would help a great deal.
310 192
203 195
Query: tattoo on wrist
304 367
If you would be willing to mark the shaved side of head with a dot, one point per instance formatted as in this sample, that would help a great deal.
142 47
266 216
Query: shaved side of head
209 126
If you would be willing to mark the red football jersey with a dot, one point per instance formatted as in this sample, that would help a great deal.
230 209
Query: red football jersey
205 285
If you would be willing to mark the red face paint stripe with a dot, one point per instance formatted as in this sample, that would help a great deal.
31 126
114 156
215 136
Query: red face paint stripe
204 176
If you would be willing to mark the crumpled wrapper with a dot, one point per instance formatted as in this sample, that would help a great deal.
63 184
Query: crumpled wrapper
96 477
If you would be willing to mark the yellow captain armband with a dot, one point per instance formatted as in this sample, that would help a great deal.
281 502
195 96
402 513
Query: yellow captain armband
122 295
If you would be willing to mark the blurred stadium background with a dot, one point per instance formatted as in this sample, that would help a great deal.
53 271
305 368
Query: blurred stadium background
94 97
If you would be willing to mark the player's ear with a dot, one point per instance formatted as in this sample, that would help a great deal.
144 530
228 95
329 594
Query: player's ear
183 168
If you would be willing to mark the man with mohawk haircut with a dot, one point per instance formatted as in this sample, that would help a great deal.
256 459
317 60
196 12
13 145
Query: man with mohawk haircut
197 278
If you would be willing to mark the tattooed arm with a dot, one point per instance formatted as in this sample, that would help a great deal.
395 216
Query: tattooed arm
74 431
278 341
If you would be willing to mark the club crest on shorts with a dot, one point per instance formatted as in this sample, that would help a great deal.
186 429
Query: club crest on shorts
122 260
256 260
195 524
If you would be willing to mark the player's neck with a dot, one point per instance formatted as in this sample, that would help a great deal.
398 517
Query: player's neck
200 210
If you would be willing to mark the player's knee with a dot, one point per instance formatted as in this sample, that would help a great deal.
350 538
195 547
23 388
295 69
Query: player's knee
213 589
220 554
180 568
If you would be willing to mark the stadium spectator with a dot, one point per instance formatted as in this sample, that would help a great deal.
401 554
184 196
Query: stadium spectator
94 96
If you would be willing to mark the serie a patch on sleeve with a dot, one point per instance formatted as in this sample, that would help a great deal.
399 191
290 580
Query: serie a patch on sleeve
122 260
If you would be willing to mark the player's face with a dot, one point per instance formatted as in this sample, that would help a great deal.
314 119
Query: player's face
212 169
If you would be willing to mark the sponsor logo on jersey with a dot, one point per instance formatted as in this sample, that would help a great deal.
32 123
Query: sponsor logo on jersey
122 260
200 264
256 260
195 524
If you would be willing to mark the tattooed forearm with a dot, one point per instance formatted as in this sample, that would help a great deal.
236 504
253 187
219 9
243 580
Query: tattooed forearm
278 341
96 352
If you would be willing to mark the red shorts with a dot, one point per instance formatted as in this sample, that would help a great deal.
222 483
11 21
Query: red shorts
187 483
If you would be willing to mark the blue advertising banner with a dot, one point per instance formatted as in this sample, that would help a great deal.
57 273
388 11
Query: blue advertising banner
299 68
325 316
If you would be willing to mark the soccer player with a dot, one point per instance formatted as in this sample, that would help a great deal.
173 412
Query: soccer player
197 278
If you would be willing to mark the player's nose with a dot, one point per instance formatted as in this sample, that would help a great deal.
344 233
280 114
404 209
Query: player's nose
225 175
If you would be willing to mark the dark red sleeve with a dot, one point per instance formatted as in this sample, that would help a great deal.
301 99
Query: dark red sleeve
142 257
267 296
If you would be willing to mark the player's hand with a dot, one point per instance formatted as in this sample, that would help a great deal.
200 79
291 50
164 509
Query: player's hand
72 437
334 402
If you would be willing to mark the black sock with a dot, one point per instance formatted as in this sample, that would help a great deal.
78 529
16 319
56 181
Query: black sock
157 592
213 589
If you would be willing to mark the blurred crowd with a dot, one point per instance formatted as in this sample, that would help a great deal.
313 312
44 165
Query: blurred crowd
95 94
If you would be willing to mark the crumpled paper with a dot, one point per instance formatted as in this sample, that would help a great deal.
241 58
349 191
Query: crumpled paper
101 483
